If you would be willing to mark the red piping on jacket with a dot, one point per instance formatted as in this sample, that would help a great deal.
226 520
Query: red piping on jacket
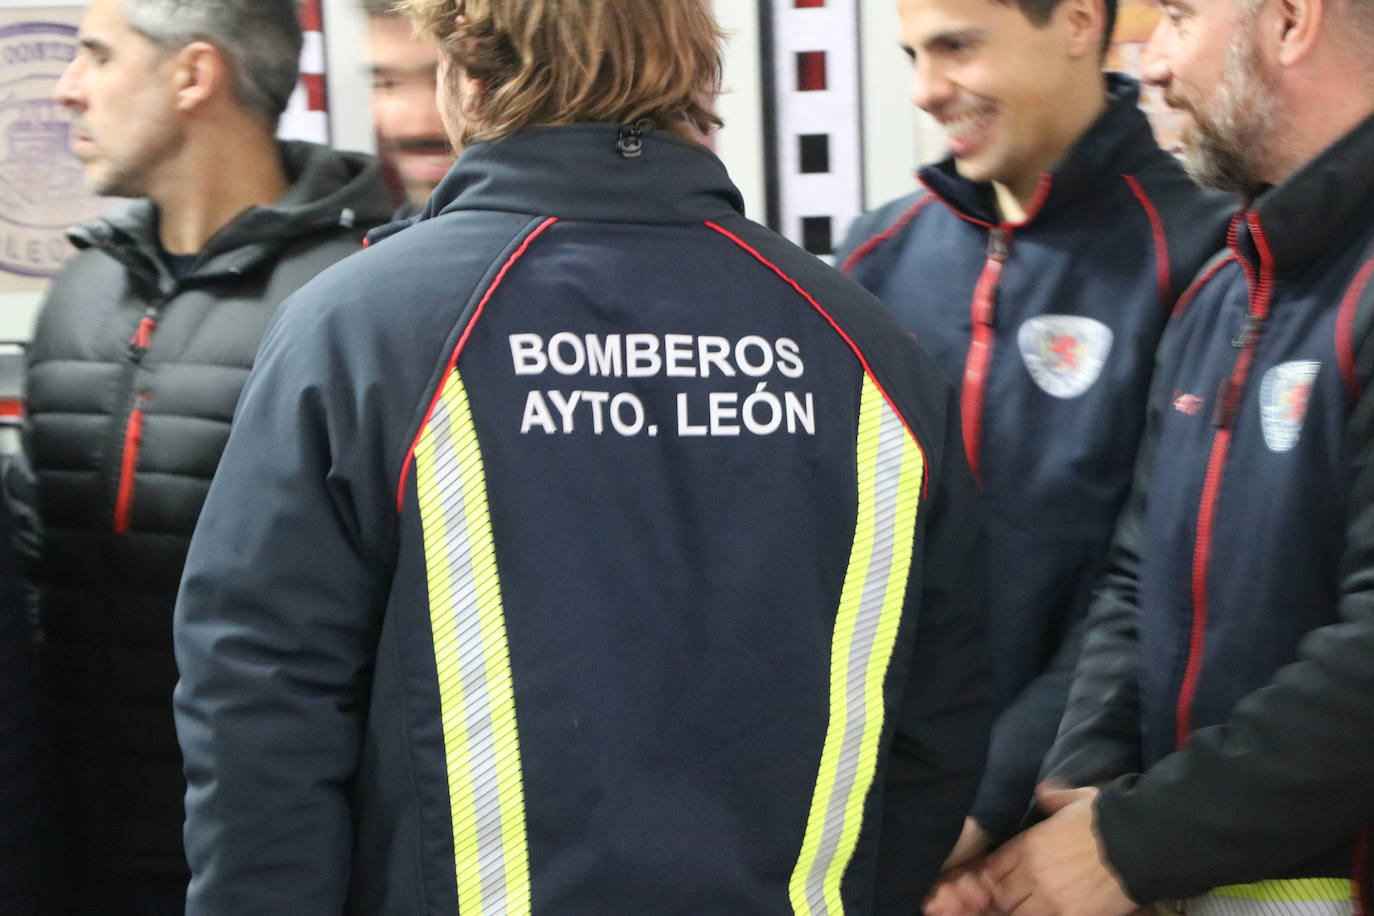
983 317
1345 329
133 435
868 370
901 222
453 359
1161 239
981 323
1191 292
1228 402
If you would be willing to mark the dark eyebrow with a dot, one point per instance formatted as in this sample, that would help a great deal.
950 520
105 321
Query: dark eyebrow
951 35
95 45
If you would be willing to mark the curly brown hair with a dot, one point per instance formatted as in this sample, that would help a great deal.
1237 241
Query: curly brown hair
553 62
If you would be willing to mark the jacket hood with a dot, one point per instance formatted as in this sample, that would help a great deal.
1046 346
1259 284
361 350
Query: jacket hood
329 190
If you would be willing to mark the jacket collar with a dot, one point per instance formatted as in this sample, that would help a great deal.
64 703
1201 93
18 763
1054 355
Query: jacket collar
579 172
1111 146
1315 208
329 189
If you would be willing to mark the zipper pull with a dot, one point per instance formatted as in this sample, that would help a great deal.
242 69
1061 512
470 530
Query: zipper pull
1248 331
997 244
143 334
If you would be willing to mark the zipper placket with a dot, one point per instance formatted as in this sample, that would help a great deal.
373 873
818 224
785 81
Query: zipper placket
1229 395
983 320
132 438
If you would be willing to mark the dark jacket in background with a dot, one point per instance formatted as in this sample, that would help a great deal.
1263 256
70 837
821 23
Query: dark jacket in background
1230 653
706 638
1067 308
28 861
132 381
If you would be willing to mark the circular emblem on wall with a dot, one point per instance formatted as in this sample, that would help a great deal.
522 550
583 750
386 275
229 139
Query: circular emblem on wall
41 189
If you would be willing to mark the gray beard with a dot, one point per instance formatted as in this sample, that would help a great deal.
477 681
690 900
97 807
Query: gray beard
1230 145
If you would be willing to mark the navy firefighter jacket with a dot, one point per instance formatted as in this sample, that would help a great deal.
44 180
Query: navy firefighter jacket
583 548
1230 655
1050 326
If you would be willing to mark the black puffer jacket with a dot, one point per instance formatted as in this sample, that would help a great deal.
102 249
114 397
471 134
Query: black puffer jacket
133 378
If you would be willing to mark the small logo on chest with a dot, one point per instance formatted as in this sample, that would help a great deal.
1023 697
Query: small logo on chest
1189 404
1284 396
1065 354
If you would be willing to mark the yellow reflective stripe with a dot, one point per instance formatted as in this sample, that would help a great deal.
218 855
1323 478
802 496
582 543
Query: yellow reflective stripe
476 690
1291 890
890 474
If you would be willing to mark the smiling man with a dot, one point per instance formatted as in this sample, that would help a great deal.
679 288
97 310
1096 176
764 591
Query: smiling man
1038 265
140 352
1224 701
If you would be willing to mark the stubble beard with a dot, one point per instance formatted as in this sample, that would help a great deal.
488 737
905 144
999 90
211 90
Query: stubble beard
1229 143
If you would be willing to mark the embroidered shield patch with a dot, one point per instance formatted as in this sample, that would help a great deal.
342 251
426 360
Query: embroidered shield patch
1064 353
1284 395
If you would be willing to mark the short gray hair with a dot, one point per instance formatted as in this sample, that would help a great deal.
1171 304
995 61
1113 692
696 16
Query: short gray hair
261 40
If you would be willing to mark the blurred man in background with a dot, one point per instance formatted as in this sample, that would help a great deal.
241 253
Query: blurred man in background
410 135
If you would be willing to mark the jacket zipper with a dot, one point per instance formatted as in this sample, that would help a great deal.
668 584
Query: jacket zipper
1229 394
133 428
984 316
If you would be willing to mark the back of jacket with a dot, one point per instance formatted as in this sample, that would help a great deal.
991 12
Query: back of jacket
627 565
133 378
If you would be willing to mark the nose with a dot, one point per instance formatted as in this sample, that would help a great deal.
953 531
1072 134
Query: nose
931 86
67 92
1155 68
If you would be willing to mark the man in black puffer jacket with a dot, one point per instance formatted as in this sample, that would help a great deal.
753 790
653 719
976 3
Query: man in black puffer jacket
135 369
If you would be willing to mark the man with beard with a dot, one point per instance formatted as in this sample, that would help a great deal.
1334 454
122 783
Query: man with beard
410 133
1038 264
1220 731
141 349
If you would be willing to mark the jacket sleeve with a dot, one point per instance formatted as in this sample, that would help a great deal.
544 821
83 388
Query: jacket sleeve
1021 737
1289 772
941 734
275 627
1099 734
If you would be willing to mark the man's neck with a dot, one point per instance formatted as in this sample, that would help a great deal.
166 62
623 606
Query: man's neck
1319 127
1077 112
213 182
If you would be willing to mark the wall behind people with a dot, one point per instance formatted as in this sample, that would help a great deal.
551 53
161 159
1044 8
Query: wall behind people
894 136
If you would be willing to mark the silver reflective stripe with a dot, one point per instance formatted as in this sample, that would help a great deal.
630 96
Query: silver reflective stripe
888 469
473 664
